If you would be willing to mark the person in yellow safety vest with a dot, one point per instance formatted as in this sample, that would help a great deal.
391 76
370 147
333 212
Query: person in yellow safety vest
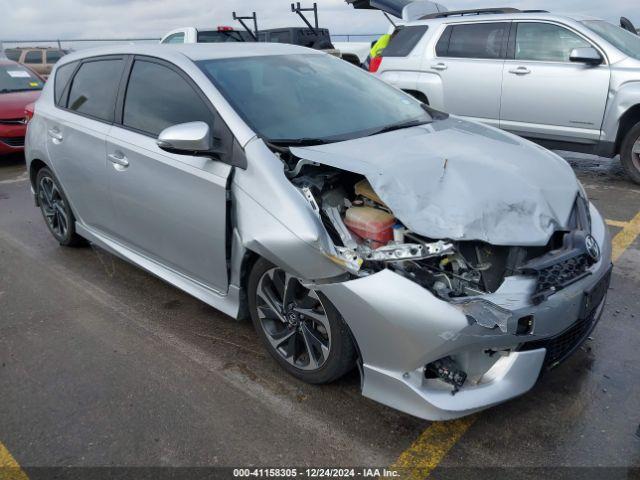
377 48
380 45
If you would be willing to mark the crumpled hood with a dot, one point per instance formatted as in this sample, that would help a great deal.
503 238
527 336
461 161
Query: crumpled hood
460 180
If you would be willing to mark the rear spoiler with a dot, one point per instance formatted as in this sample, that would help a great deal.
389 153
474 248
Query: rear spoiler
407 10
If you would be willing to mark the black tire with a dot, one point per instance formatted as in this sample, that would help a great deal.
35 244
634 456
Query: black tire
342 353
55 210
631 161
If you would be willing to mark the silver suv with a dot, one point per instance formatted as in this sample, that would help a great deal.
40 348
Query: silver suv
566 82
451 261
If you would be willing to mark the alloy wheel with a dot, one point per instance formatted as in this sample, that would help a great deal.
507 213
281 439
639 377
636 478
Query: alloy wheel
294 320
53 207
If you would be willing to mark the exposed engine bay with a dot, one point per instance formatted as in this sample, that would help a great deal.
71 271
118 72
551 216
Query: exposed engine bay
368 238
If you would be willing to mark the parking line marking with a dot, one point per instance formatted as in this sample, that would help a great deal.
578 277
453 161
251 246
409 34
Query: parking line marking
426 453
625 237
617 223
9 468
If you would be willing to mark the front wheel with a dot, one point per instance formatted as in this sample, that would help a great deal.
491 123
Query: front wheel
299 327
630 153
56 210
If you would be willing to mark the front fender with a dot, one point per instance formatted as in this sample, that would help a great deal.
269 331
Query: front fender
274 220
431 85
620 100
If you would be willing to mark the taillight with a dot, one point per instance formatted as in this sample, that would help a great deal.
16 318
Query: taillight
374 64
29 112
224 28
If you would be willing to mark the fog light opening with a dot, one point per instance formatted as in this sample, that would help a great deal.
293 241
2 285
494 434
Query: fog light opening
525 325
447 370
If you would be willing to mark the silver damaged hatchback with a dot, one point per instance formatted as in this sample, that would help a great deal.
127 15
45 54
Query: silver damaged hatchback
450 262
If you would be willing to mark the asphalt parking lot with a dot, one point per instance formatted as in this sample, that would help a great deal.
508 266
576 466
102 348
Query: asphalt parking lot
102 364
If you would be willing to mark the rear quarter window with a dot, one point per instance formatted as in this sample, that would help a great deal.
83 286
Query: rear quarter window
63 75
13 54
405 40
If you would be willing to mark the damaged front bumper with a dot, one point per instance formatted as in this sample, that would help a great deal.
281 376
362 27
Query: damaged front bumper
402 328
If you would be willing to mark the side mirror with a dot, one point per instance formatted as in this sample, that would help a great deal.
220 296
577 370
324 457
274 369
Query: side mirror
193 138
588 55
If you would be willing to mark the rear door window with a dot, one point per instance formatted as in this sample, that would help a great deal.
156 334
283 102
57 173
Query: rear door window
94 88
33 57
404 41
158 97
474 40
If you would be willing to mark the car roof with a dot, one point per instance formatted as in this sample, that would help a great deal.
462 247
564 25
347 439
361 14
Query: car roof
194 51
504 17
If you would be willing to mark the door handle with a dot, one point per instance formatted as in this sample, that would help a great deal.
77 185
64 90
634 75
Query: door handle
439 66
520 71
55 134
118 159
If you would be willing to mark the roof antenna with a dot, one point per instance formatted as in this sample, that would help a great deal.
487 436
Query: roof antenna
254 32
296 8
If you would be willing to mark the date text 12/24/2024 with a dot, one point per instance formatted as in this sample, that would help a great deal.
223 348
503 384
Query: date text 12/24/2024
315 473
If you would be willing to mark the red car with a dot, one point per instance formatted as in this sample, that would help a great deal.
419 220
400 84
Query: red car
19 87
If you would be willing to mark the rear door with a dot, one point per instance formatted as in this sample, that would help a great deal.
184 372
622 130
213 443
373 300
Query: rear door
76 135
170 208
469 58
546 96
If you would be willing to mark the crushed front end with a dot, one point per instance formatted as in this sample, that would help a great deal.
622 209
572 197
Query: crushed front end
446 328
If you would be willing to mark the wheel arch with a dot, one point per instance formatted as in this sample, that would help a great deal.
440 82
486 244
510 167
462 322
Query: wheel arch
249 259
417 94
627 121
34 167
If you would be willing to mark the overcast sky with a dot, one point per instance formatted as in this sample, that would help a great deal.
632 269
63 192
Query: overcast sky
38 19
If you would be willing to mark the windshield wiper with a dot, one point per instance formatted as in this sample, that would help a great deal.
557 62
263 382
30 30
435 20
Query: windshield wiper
400 126
298 142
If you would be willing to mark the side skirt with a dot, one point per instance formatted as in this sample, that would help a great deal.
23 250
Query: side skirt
228 304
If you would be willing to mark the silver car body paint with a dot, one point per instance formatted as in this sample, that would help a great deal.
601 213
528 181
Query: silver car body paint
397 324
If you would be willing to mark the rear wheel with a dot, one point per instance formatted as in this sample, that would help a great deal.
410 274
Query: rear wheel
630 153
55 209
299 327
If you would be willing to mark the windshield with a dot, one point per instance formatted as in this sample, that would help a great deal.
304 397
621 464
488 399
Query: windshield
15 78
298 98
623 40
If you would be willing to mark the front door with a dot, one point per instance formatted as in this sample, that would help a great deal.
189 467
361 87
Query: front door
170 208
469 60
544 94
